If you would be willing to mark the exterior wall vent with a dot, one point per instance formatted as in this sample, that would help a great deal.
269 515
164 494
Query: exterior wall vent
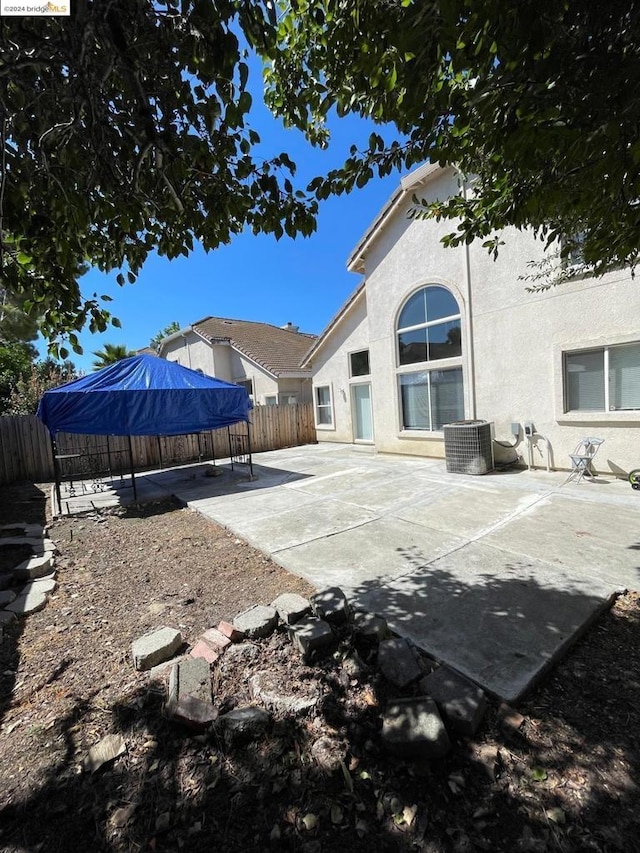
468 447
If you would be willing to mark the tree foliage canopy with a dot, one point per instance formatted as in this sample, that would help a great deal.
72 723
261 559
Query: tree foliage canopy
157 339
124 130
537 100
110 354
124 127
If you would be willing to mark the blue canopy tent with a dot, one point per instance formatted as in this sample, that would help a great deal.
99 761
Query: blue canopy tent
142 395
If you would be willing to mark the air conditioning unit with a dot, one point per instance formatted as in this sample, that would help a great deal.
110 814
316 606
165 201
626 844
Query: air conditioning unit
468 447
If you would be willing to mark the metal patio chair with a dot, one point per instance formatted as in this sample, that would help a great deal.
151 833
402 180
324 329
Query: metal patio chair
582 457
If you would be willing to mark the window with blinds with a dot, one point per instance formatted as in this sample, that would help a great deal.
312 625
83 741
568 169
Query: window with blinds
604 379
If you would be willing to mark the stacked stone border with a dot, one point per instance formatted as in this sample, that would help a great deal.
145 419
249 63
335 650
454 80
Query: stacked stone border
27 587
430 704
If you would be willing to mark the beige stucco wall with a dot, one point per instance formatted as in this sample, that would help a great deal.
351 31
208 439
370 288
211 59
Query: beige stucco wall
191 351
512 340
332 368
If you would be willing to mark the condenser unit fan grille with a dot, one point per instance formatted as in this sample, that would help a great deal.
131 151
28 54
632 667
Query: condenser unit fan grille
468 447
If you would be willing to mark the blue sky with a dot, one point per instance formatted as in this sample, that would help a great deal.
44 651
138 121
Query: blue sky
303 281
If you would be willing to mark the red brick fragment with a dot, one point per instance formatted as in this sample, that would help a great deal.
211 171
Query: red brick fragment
202 649
228 630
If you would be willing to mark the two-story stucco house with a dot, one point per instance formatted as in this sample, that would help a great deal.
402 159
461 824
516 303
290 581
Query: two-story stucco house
265 359
434 335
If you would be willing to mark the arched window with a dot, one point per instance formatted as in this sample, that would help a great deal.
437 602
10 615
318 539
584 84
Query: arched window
429 335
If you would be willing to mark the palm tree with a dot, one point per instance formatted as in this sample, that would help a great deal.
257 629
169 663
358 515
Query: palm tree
110 354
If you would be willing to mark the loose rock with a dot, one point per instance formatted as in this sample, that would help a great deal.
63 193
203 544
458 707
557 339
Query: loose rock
270 691
6 597
370 626
291 607
189 699
397 662
329 753
154 647
462 703
29 603
331 604
413 729
243 724
311 635
257 621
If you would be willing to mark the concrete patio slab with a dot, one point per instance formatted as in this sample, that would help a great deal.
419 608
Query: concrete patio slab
300 525
498 620
258 505
493 575
467 513
580 536
373 553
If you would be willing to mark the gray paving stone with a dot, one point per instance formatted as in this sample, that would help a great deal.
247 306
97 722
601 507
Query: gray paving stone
6 597
311 635
331 604
397 662
189 701
461 702
370 626
7 617
155 646
29 603
257 621
46 585
24 528
291 607
161 671
413 729
34 567
190 677
6 580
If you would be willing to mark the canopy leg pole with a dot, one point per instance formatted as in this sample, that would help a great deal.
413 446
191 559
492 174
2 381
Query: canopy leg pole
56 471
249 449
213 447
109 467
133 476
159 451
230 448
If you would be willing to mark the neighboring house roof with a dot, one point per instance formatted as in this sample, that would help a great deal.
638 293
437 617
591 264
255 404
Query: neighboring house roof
277 350
146 351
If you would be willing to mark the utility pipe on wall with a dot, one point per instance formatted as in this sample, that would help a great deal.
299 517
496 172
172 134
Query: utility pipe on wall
529 440
469 321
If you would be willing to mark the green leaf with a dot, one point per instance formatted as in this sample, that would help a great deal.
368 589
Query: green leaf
538 774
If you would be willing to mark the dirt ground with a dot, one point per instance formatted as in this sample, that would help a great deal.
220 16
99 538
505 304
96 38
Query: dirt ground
560 773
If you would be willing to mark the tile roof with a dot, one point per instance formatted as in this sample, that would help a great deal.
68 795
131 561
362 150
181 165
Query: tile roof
278 350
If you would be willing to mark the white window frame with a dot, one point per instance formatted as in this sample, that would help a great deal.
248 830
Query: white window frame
328 406
269 397
426 366
607 410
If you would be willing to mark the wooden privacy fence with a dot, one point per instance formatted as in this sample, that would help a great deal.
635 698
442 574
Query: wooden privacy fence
25 448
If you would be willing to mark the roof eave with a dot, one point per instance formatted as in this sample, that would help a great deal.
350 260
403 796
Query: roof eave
419 176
